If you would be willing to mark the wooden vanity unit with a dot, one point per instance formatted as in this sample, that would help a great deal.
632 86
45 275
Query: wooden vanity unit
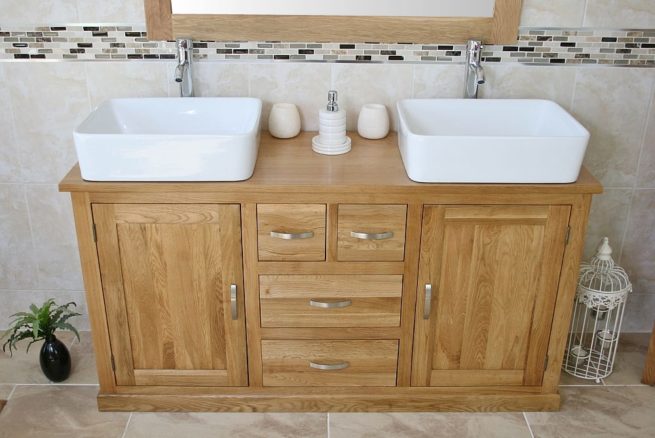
329 284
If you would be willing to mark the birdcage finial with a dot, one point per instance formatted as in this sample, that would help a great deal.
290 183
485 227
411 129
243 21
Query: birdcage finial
604 251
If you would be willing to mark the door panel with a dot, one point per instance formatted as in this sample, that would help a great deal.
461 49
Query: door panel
168 272
493 274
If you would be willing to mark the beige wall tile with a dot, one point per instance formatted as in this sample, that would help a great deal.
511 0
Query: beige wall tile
646 176
608 218
49 101
83 369
19 300
61 411
628 369
428 425
552 13
123 11
438 81
305 85
359 84
107 80
638 256
9 156
612 103
18 268
631 14
216 79
632 342
529 82
598 412
639 315
227 425
55 243
38 12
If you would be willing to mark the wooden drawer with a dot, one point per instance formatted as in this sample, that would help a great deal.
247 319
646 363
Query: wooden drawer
291 232
330 300
371 232
309 362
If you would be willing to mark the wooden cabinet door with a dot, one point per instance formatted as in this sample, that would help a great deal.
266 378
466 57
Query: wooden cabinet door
169 275
487 285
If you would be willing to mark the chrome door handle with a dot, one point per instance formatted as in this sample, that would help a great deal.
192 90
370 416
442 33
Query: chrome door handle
329 366
292 236
233 301
427 305
371 236
330 305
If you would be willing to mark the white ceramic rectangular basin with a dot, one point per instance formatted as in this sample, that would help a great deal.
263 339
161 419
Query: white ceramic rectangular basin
489 141
170 139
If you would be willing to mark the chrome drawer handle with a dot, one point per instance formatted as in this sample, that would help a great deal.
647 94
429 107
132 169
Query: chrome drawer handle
330 305
427 306
329 366
292 236
233 301
371 236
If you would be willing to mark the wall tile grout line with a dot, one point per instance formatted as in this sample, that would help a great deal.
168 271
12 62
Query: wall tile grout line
30 224
525 417
636 181
584 13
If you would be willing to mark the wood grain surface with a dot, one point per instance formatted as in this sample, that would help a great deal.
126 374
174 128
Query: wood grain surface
374 300
291 168
501 28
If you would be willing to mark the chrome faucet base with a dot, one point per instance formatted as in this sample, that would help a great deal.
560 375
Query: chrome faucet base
474 70
183 69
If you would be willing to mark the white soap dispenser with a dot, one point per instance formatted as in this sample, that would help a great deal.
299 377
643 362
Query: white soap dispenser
331 138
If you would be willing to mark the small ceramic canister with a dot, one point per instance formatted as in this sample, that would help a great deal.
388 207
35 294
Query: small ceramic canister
373 122
284 120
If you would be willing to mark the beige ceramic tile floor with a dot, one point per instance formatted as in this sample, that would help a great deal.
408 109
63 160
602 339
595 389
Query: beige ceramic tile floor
619 406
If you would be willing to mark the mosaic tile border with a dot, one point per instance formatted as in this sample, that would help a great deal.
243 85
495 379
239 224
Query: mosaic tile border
115 42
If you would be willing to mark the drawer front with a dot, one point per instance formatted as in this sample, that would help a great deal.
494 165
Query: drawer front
291 232
329 363
330 300
371 232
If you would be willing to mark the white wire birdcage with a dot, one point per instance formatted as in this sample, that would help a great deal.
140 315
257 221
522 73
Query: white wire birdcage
600 301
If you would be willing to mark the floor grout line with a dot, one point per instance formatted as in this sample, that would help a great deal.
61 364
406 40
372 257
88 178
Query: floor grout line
72 341
525 417
12 392
127 424
328 425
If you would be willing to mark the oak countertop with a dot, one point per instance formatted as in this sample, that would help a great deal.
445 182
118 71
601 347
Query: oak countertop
371 166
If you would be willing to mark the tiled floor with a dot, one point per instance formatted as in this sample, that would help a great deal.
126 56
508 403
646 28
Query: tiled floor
617 407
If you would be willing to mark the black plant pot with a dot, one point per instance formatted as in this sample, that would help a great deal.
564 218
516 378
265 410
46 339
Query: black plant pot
55 360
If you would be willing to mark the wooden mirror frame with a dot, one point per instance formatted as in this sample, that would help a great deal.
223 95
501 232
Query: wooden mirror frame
502 28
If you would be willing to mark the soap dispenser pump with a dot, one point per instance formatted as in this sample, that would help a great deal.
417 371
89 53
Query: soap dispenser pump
331 138
332 105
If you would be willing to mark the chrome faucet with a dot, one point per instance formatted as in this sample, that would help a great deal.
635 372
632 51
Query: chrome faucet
474 69
183 69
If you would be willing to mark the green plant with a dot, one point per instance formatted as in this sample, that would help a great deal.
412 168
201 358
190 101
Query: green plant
39 323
